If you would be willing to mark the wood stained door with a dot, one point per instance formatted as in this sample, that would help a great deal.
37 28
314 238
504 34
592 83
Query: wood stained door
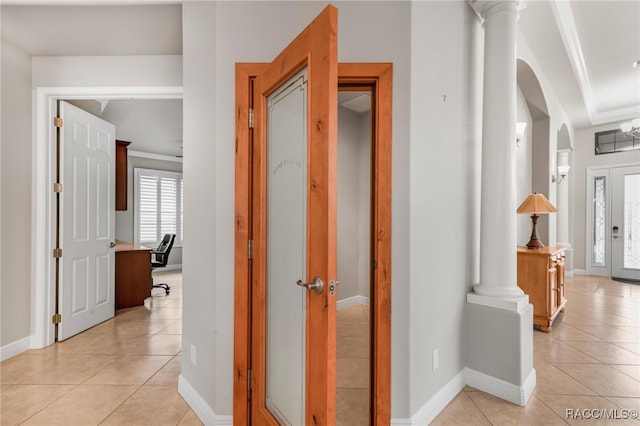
294 231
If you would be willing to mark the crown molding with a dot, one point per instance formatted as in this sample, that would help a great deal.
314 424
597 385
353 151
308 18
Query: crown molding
563 15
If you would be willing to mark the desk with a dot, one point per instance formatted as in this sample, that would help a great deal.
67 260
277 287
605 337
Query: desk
133 274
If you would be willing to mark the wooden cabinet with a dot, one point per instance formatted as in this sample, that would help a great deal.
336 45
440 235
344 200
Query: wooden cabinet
541 276
132 275
121 175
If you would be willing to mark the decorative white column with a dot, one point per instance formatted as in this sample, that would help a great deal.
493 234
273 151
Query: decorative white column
562 230
498 233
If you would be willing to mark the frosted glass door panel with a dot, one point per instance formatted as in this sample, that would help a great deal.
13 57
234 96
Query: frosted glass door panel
631 240
599 221
286 250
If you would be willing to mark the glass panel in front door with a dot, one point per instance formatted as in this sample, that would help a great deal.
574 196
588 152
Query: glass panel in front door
286 250
631 209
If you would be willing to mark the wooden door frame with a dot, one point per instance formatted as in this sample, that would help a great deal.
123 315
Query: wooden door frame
376 77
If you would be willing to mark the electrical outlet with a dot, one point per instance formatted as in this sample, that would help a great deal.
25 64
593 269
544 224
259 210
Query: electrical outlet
435 359
192 354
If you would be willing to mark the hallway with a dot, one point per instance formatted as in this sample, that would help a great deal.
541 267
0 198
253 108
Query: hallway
121 372
125 370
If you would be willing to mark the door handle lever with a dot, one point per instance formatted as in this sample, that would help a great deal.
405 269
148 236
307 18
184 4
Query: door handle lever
316 285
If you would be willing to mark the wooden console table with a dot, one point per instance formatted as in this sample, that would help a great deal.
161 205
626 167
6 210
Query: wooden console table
541 276
133 274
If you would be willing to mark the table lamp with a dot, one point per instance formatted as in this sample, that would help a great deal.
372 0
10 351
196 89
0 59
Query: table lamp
536 204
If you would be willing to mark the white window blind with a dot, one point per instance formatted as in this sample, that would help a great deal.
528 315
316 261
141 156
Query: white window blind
158 206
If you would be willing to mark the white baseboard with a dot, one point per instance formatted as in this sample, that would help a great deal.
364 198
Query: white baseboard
352 301
515 394
14 348
171 267
508 391
439 401
579 272
568 273
200 407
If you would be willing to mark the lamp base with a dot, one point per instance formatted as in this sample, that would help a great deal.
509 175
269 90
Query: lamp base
534 244
534 241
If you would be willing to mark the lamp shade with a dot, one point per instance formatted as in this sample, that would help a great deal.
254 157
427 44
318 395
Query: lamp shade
536 204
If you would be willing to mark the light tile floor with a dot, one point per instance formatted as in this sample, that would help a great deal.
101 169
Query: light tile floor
121 372
124 371
352 366
591 360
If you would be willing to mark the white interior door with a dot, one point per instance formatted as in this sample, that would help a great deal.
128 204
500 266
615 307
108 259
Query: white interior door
87 221
625 223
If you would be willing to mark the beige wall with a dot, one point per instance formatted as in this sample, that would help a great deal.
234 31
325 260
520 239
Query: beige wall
15 287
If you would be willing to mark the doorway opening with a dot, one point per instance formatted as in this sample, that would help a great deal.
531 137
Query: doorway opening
373 298
44 173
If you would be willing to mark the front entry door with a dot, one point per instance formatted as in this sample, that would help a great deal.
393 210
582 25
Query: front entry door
87 221
625 223
294 235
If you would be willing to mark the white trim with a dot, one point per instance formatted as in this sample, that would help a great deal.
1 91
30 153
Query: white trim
199 405
497 387
429 411
440 400
352 301
173 267
566 25
152 156
14 348
565 22
515 304
579 272
42 218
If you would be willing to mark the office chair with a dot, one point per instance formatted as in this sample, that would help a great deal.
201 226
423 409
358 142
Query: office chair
160 257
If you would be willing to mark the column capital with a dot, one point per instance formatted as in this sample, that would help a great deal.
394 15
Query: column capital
488 9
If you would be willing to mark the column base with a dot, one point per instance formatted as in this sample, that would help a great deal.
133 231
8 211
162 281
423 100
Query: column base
500 345
514 300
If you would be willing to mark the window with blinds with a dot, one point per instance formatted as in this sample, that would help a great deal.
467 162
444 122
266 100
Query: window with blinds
158 206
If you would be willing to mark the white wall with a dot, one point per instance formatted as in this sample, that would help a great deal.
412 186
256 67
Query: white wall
364 204
354 208
583 158
557 117
20 75
524 169
15 193
151 125
445 185
216 36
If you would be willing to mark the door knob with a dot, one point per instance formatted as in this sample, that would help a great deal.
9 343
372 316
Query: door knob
316 285
112 244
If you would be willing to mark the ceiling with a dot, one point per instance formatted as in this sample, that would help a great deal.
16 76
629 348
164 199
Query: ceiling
586 48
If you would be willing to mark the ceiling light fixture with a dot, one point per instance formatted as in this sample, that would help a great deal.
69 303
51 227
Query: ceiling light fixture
632 128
